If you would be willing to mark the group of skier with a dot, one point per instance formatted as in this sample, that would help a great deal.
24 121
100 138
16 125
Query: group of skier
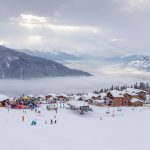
52 121
50 107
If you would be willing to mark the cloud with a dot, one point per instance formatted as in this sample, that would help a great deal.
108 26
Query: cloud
41 32
133 5
116 39
33 21
35 40
3 42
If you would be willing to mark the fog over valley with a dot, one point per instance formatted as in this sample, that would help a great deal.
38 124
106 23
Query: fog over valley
44 86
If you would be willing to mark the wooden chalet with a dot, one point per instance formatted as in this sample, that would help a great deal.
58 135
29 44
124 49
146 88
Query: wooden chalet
135 93
136 102
118 98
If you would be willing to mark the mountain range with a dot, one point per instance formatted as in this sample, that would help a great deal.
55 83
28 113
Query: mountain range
134 61
15 64
59 56
142 64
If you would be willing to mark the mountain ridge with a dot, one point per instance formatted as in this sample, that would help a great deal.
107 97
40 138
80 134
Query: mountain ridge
55 55
14 64
142 64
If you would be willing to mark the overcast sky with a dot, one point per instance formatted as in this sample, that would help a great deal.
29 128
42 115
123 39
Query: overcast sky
98 27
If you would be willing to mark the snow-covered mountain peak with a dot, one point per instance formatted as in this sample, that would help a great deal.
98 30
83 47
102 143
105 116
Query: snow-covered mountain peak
143 63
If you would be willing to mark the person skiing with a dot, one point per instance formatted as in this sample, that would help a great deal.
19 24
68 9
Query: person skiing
51 121
100 118
56 110
33 122
55 121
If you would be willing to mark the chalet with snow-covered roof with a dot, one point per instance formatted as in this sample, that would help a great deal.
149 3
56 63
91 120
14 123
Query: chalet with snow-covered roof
127 96
117 98
92 96
103 95
135 93
63 97
96 97
50 96
98 102
136 102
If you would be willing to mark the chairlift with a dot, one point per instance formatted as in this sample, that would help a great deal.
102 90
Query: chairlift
107 112
132 108
119 109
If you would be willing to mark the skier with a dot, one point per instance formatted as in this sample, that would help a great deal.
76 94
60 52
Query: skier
51 121
55 121
56 110
33 122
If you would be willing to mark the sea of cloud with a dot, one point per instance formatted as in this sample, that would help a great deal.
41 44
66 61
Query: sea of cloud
44 86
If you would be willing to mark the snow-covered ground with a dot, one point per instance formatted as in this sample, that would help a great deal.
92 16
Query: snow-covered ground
127 130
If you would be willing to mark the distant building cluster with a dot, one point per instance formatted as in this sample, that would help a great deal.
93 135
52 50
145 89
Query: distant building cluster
124 96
